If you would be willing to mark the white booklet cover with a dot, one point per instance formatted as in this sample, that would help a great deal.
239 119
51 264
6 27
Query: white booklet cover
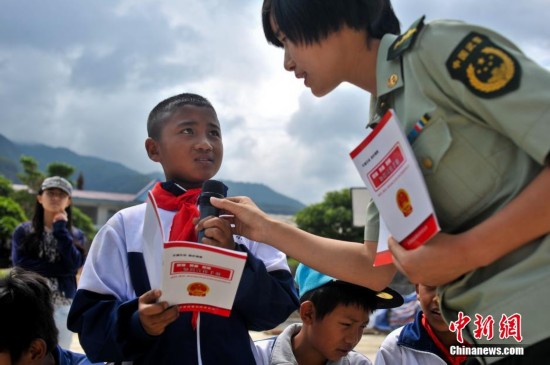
196 277
389 169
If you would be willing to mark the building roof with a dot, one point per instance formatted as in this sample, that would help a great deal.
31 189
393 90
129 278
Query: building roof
105 196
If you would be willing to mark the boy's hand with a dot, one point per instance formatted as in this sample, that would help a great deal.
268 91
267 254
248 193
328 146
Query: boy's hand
155 316
217 232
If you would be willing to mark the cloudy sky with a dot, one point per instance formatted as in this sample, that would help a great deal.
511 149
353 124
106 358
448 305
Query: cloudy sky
85 74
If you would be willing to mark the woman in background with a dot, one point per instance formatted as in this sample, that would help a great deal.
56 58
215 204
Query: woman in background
50 246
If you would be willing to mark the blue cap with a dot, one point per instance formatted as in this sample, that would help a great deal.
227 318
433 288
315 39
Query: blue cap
309 279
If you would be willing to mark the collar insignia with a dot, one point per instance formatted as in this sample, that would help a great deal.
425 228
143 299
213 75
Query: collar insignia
405 40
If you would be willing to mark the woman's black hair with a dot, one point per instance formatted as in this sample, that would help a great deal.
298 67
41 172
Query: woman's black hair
310 21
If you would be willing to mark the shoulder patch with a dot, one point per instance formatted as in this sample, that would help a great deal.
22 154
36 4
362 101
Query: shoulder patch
486 69
405 40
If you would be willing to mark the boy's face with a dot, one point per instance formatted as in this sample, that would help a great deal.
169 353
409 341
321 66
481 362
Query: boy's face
338 332
319 64
429 303
190 147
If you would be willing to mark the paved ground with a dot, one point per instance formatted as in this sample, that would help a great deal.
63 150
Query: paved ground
368 345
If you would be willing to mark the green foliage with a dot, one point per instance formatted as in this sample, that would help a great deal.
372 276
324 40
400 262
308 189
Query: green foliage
60 169
7 226
331 218
83 222
11 215
26 200
10 209
31 176
6 188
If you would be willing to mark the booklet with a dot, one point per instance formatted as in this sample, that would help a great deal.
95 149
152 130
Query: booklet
389 169
194 276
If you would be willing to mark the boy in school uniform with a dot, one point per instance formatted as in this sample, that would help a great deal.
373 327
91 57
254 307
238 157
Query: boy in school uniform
426 340
334 314
117 315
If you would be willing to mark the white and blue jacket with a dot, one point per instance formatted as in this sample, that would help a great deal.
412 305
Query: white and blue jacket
104 311
409 345
278 350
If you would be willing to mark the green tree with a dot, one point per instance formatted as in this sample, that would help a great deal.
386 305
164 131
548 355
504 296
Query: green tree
30 176
331 218
6 188
11 215
84 222
60 169
26 200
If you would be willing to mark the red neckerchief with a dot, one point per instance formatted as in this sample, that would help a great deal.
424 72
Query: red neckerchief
182 228
450 359
185 204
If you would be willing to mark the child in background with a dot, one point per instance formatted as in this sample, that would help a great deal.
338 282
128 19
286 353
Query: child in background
334 314
28 335
117 316
426 340
51 246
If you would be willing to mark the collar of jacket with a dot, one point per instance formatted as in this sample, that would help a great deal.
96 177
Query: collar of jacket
415 336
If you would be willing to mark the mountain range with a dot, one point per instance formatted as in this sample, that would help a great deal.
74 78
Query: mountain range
109 176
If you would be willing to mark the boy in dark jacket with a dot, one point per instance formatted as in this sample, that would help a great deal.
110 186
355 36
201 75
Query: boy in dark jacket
28 335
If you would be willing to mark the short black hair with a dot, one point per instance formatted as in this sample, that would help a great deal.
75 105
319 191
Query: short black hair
26 312
310 21
327 297
164 110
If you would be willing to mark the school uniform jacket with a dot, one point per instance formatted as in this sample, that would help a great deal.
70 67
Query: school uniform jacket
278 350
409 345
104 311
66 357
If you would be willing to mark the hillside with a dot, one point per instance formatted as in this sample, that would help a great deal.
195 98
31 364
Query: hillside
103 175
